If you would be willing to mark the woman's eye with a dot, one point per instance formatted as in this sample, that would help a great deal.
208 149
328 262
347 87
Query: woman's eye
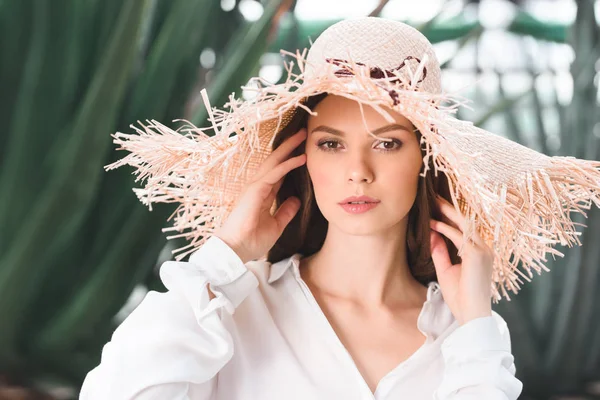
328 145
390 145
333 145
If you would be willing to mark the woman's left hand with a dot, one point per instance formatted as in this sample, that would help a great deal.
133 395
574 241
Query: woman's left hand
466 287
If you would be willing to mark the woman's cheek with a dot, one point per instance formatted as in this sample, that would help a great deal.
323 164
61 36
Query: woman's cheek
322 177
318 173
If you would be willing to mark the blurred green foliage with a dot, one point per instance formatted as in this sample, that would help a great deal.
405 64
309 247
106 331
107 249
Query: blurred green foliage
75 240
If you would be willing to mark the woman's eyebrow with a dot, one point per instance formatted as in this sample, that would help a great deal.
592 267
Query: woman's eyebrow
383 129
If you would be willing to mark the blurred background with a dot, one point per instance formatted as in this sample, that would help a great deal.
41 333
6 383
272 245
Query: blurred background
78 251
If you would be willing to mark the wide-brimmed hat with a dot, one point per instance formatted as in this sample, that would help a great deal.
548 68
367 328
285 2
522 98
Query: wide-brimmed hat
517 199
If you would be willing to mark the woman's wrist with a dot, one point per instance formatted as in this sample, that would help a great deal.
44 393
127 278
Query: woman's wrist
237 249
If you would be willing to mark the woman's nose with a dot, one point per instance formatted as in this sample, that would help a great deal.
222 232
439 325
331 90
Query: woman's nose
358 169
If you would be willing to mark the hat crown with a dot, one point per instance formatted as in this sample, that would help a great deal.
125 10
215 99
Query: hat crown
377 42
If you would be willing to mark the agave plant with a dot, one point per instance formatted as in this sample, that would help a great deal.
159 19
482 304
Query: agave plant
75 240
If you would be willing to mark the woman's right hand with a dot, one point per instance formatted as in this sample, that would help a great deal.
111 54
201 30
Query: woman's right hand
251 230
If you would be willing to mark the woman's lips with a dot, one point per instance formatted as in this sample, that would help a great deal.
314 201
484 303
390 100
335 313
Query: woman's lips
358 208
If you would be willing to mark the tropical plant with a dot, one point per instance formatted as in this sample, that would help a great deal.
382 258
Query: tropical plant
75 240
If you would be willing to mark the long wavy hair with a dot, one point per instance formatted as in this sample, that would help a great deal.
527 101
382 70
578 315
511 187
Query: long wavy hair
306 232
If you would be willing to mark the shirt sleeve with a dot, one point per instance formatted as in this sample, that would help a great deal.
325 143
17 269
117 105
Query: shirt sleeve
173 344
479 363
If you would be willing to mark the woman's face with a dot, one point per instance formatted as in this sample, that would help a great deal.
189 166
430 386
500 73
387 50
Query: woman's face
343 160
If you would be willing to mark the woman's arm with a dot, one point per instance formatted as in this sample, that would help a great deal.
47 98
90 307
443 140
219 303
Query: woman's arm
479 363
173 344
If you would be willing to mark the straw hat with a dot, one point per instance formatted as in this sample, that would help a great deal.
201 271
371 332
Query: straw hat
517 199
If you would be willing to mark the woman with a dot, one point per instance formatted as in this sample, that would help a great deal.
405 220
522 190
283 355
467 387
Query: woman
357 313
378 278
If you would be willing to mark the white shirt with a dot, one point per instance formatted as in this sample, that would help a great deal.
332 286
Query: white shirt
264 337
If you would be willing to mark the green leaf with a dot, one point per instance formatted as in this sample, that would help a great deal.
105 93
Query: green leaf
109 212
18 165
106 290
154 86
62 204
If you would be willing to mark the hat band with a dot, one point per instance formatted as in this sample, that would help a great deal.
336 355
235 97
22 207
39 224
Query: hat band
376 72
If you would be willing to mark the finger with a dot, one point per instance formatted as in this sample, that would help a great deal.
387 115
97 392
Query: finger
439 252
281 153
286 212
451 213
274 190
457 218
450 232
273 176
278 184
267 184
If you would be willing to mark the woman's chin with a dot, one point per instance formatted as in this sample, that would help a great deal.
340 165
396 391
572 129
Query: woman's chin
362 225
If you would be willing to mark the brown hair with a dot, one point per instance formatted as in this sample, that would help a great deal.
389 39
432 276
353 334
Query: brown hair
306 232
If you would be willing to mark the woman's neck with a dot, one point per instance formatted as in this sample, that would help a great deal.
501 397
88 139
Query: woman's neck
371 270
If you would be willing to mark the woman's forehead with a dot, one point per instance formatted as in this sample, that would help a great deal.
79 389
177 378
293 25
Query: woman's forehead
338 112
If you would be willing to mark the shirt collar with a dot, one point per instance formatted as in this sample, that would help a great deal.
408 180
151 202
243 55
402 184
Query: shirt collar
435 315
278 269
